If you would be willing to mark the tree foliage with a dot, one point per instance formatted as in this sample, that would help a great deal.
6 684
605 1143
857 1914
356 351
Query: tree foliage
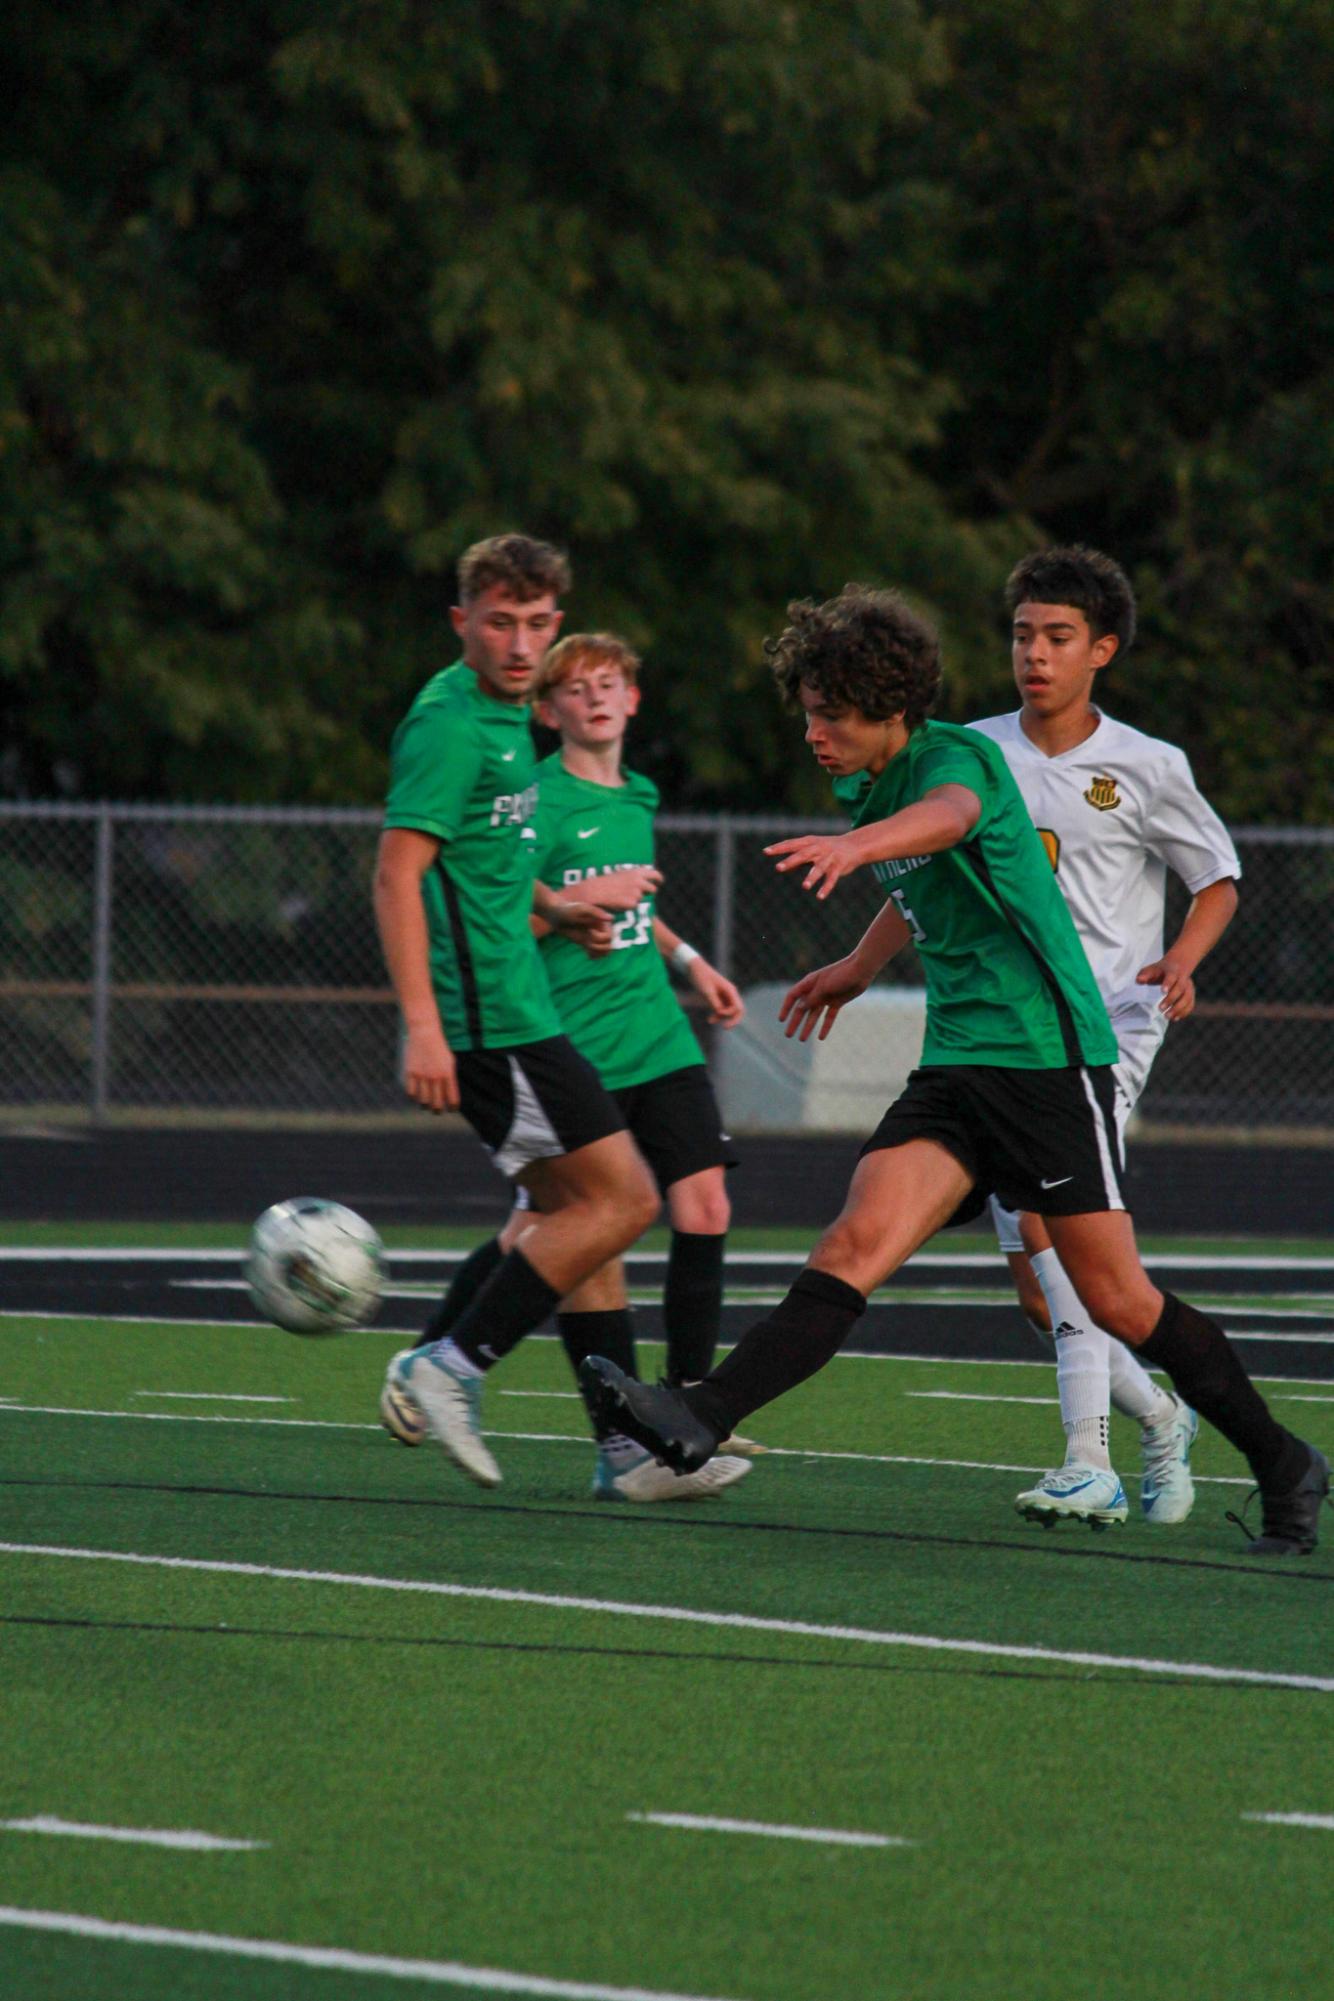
735 298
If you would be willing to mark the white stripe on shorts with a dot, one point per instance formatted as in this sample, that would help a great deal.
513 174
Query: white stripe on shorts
531 1135
1109 1145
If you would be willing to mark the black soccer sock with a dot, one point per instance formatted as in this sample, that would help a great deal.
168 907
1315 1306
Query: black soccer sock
1206 1371
514 1301
466 1283
776 1354
692 1304
610 1334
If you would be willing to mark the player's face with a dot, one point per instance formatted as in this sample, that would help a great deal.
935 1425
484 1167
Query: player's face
843 740
591 707
1056 657
505 639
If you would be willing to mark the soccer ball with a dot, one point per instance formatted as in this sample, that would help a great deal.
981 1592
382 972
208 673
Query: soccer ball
315 1267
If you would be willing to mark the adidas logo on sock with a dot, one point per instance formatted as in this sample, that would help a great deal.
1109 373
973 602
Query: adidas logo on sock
1064 1330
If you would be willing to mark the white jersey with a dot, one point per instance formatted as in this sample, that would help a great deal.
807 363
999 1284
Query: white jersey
1115 813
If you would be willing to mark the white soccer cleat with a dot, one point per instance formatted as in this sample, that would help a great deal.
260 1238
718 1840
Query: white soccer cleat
1075 1492
647 1481
750 1448
452 1407
1167 1491
398 1413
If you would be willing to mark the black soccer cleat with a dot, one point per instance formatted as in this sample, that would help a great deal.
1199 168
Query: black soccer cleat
656 1417
1290 1521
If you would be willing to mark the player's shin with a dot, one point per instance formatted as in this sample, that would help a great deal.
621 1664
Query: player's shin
466 1283
1082 1365
514 1301
692 1302
1207 1372
794 1342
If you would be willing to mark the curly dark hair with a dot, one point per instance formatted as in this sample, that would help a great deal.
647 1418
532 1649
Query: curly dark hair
526 567
865 649
1081 577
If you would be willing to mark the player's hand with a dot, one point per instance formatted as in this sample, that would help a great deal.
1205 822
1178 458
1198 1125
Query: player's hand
429 1072
815 1001
1178 987
827 858
726 1007
622 889
586 924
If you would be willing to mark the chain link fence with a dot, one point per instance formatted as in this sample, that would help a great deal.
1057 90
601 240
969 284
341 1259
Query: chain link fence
208 960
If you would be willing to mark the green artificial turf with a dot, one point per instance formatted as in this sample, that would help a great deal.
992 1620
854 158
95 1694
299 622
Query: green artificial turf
448 1777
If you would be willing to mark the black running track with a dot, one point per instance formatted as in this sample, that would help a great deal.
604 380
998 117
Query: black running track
436 1173
1294 1338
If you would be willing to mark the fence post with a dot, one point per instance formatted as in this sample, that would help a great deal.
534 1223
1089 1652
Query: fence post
101 1022
724 888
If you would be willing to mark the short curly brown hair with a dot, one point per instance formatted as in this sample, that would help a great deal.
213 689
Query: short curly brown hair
526 567
865 649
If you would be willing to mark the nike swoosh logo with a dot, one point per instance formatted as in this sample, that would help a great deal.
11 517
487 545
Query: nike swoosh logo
585 833
1057 1184
508 756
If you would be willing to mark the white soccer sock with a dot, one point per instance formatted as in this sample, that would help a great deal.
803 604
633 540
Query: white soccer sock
1082 1365
446 1350
1134 1392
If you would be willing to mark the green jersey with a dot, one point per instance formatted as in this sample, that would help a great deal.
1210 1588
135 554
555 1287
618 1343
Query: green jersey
461 770
619 1011
1007 980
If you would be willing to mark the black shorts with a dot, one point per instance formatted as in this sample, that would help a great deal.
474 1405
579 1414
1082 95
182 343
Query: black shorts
534 1102
1045 1140
676 1124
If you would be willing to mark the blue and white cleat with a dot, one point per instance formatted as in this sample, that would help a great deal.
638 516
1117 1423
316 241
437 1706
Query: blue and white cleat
1167 1491
646 1480
1078 1493
452 1407
398 1413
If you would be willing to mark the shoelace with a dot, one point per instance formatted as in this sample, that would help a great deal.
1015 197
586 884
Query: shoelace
1239 1520
1282 1516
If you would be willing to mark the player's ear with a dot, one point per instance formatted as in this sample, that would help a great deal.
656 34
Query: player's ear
1104 648
458 618
545 714
632 698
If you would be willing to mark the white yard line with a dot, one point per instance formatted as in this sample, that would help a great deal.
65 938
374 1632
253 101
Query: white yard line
545 1396
684 1615
562 1438
975 1396
1321 1820
209 1396
150 1837
835 1836
438 1972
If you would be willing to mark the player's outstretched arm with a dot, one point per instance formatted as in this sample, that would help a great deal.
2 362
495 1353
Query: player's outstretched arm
940 819
1210 913
815 1001
428 1062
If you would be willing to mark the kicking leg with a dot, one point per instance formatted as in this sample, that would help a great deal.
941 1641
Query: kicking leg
899 1196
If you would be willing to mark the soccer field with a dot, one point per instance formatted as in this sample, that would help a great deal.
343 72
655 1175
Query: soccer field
294 1712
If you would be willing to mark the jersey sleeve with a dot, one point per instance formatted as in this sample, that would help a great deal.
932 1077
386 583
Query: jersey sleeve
435 765
957 762
1183 830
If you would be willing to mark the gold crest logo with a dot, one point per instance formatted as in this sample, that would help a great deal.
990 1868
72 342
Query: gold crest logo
1103 794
